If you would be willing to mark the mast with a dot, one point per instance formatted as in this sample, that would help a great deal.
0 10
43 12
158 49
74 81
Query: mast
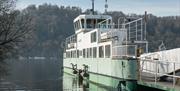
92 7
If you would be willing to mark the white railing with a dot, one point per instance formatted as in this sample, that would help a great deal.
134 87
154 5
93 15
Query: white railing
71 41
124 51
154 67
136 29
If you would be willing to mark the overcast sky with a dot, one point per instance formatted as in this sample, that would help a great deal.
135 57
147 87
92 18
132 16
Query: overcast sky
156 7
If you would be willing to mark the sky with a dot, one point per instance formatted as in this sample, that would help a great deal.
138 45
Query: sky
155 7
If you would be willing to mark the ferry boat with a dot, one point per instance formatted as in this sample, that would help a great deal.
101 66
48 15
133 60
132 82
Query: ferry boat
107 54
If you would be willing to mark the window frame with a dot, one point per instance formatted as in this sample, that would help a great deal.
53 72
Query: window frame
107 51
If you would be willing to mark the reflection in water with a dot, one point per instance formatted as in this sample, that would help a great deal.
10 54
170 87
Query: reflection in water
33 75
71 83
44 75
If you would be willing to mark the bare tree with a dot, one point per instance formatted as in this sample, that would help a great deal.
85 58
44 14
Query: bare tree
15 28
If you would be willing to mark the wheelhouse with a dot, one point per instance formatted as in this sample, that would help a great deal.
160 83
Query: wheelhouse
89 22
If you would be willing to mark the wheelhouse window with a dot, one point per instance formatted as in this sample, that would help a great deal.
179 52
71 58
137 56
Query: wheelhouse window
101 52
91 23
93 37
94 52
101 23
77 25
82 23
107 51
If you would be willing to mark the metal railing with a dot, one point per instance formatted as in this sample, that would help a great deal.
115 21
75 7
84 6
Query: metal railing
71 41
154 67
136 29
124 51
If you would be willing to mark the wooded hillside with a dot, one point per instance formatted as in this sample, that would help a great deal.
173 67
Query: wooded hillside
53 24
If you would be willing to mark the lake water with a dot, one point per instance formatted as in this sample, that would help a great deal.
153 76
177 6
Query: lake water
42 75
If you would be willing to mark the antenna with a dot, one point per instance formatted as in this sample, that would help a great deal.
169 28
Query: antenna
106 6
145 16
92 10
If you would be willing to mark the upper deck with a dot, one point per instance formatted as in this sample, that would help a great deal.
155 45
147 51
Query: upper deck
98 32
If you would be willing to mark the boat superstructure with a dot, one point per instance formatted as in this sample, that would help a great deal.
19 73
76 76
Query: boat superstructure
104 51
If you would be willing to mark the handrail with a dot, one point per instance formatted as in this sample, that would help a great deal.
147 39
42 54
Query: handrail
154 61
124 50
104 20
155 71
133 21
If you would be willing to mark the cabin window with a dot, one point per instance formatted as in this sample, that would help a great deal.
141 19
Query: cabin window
84 52
107 51
80 53
77 53
87 51
93 37
90 52
94 52
71 54
67 54
101 52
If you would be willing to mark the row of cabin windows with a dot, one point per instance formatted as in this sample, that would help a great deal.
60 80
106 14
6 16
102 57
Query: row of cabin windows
72 54
90 23
91 52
